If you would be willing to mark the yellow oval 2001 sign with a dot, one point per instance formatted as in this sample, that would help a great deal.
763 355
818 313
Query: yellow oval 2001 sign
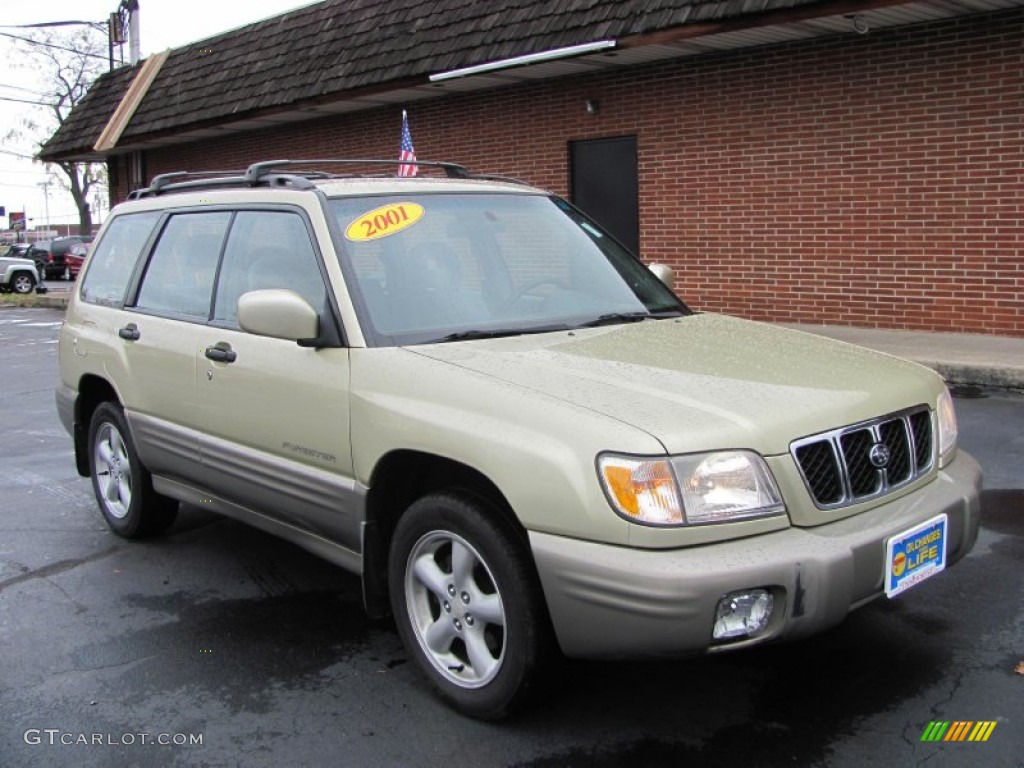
384 221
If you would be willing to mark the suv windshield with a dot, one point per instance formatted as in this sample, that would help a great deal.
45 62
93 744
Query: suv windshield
447 267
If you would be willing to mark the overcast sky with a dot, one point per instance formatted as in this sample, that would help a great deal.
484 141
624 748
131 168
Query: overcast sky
164 24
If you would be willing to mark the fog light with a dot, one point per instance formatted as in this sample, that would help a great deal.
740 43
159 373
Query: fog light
742 614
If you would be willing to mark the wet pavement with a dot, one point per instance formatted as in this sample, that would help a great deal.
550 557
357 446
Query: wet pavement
220 632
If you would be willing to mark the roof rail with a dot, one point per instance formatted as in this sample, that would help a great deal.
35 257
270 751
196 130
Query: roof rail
272 173
259 170
179 179
182 180
497 177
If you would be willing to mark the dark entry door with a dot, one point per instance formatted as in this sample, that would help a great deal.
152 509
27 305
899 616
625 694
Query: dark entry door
605 187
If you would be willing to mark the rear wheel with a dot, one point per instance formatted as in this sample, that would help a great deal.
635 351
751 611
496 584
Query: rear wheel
123 486
468 604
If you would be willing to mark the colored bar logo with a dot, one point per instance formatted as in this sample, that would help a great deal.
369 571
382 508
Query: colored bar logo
958 730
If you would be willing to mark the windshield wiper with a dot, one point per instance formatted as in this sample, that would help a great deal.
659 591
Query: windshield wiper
613 318
496 333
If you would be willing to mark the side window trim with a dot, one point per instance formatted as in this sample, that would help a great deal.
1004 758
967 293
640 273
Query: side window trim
220 265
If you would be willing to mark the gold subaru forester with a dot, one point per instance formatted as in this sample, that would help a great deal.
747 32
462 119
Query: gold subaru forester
465 391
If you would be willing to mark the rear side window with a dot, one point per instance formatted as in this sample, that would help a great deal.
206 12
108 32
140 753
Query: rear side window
113 261
180 274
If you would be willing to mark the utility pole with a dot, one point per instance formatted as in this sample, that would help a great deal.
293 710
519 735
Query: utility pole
97 203
46 197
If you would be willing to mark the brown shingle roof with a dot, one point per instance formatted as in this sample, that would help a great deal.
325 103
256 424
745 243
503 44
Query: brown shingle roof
342 45
90 115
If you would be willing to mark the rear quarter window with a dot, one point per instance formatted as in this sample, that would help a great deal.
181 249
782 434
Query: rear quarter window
113 261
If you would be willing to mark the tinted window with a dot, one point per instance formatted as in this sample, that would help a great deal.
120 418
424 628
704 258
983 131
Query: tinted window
180 273
267 249
111 266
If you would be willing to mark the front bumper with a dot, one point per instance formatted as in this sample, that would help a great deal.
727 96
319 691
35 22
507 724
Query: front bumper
607 601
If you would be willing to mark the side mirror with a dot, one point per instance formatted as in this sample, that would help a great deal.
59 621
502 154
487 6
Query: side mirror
664 273
278 313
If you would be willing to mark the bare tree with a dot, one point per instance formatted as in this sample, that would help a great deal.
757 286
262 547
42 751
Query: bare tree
66 63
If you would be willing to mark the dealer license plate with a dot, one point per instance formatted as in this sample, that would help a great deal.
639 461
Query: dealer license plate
914 555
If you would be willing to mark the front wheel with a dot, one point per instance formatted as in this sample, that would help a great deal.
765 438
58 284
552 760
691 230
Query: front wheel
22 283
468 604
123 486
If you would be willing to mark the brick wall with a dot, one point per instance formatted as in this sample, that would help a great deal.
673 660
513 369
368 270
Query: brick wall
870 180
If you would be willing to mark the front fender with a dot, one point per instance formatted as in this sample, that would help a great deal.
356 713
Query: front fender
538 451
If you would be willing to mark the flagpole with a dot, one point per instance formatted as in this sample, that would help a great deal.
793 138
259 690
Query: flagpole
406 152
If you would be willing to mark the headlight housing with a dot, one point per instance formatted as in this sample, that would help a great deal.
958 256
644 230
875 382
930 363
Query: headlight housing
945 415
695 489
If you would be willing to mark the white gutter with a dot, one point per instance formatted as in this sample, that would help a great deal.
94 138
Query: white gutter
530 58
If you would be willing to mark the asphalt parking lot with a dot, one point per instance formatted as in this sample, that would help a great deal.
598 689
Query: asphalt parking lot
217 645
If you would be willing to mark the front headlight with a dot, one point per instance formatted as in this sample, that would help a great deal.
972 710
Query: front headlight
945 414
719 487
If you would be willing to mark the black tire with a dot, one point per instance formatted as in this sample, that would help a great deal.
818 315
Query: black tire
123 486
22 282
489 663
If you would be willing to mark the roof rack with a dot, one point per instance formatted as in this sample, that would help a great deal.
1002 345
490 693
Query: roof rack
257 171
271 173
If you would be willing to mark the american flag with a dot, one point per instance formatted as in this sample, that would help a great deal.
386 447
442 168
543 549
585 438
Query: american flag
406 153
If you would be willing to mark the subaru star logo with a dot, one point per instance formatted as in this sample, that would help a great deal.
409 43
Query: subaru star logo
879 455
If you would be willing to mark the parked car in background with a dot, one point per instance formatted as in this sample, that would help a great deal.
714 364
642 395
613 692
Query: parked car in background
17 250
49 256
17 275
74 258
39 252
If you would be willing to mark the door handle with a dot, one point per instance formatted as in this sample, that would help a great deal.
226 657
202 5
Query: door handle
130 332
221 353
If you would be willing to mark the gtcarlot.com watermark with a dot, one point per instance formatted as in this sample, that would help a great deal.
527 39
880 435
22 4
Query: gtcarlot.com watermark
57 737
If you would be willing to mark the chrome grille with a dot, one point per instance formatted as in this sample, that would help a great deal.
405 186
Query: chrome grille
865 461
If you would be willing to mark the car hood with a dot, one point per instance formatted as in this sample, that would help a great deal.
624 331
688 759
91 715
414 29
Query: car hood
704 381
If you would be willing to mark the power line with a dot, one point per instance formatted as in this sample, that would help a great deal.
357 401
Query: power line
53 24
16 154
19 88
26 101
20 186
56 218
52 45
6 171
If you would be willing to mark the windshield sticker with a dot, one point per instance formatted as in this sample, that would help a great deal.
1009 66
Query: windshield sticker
590 229
384 221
